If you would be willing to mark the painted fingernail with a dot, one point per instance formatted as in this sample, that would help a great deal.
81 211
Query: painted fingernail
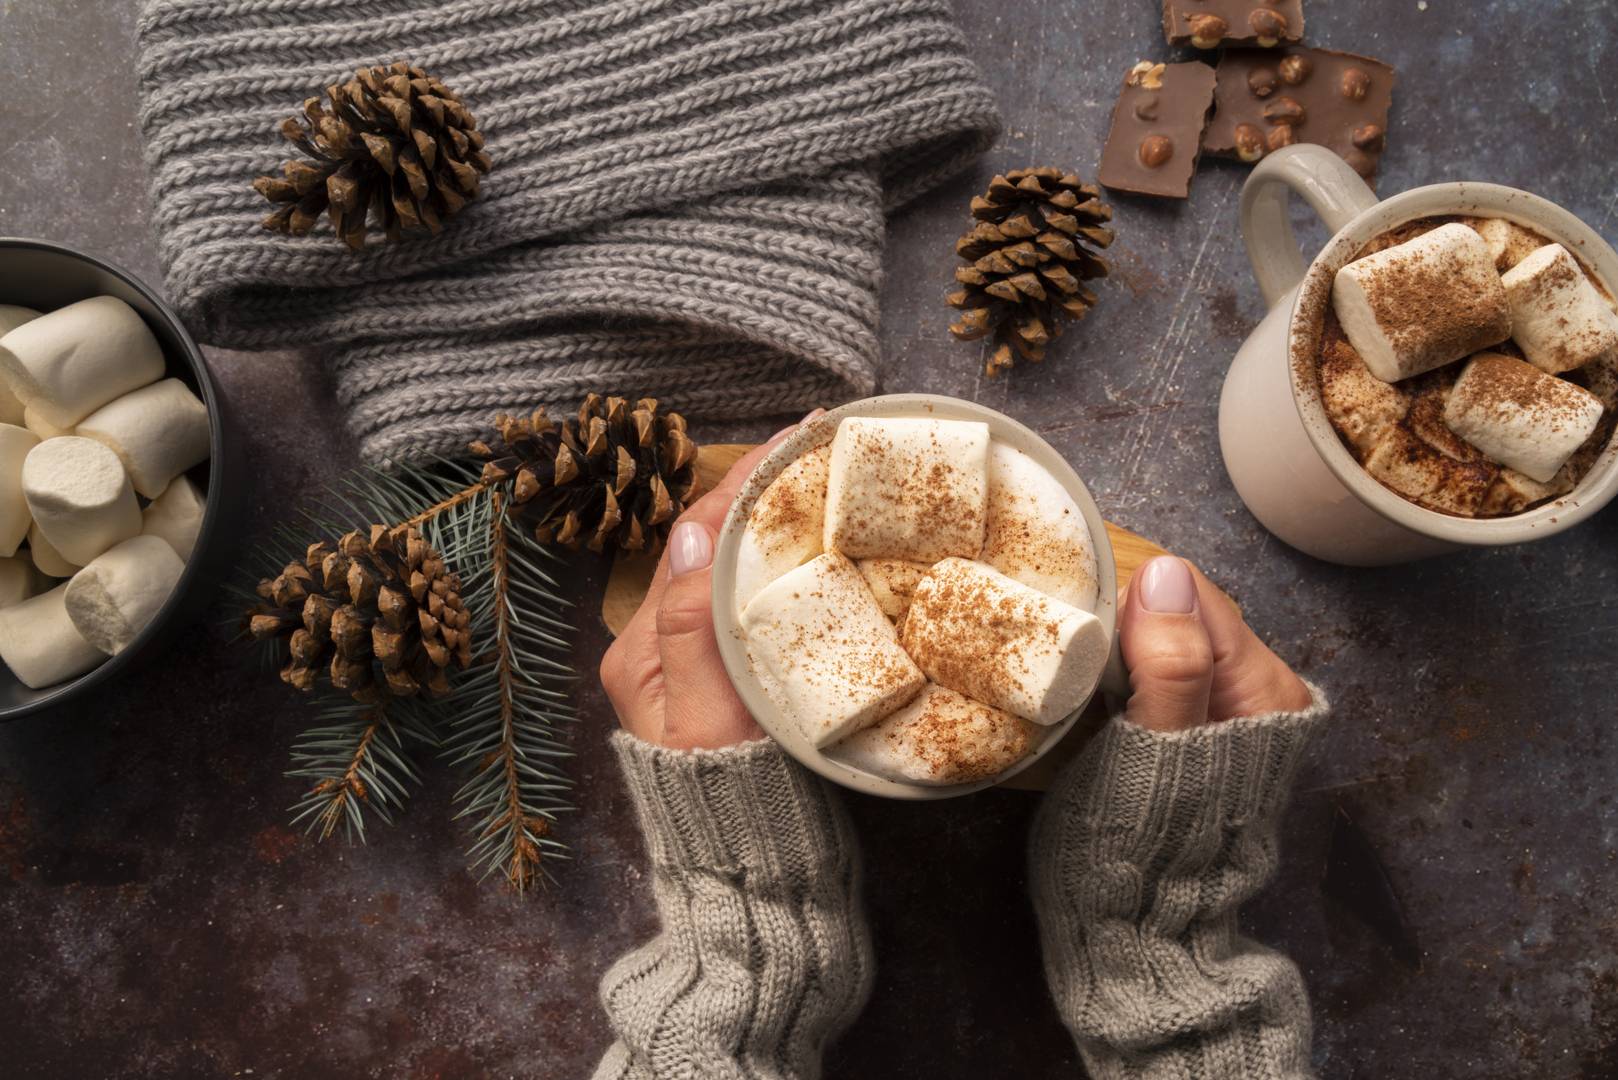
1166 587
783 433
690 548
811 416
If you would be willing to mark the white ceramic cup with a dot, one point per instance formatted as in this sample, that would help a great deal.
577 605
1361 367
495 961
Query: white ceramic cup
1286 460
818 432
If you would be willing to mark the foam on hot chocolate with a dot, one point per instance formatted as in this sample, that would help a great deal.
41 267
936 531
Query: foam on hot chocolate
1405 433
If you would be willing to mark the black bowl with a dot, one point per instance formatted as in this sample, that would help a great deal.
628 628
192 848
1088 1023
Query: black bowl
44 275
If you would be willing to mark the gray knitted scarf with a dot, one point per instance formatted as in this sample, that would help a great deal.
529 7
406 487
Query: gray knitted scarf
687 201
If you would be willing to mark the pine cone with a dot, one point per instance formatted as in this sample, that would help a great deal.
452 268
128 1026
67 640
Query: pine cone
396 145
382 615
612 475
1028 261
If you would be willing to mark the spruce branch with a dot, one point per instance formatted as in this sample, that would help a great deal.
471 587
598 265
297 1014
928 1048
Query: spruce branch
358 760
507 716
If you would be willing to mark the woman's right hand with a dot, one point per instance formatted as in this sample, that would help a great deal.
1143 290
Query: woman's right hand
1192 659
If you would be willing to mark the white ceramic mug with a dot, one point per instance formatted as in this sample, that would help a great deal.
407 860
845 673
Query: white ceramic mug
733 644
1283 455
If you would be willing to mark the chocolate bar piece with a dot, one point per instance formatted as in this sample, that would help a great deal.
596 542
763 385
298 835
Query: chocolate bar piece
1208 24
1156 133
1270 98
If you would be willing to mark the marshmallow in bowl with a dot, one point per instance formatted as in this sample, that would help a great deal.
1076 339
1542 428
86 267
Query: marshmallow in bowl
40 644
42 427
176 516
1519 416
892 582
47 560
15 444
1557 317
912 489
784 530
976 631
1422 304
120 591
18 579
1035 533
158 432
80 497
824 651
70 362
941 737
11 317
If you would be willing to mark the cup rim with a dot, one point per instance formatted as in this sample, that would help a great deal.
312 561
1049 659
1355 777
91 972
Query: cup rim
816 433
1306 323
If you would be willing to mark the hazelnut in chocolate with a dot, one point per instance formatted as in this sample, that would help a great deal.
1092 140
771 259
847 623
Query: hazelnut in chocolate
1155 139
1208 24
1269 98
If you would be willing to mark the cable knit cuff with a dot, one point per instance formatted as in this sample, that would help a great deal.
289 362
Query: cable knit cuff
746 810
1148 796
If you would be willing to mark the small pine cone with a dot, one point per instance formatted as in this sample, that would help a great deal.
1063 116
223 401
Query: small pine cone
614 475
377 614
395 146
1027 260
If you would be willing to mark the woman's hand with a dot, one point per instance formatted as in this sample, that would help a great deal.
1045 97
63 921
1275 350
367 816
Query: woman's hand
1191 657
664 675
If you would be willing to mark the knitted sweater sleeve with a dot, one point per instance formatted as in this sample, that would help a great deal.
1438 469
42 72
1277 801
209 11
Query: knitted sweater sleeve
1141 855
764 954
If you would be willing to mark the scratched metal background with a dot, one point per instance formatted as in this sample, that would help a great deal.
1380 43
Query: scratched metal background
159 920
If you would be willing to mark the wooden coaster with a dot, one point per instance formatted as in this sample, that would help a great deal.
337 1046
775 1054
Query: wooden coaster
632 576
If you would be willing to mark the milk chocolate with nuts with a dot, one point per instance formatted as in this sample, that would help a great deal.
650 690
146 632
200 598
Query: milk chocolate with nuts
1269 98
1208 24
1156 133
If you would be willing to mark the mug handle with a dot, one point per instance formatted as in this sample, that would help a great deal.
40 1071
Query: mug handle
1327 184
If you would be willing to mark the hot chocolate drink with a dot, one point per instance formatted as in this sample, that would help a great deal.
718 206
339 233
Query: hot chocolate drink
1470 365
918 598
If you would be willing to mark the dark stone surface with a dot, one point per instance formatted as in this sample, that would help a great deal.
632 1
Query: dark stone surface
160 920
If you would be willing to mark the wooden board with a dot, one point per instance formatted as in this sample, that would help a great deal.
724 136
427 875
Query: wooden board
632 575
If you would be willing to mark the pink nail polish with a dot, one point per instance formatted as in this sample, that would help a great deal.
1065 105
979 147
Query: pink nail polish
812 415
690 548
1166 587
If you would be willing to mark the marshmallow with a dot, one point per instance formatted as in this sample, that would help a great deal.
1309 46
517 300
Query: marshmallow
80 496
39 643
120 591
1360 405
979 633
47 560
824 651
892 581
910 489
15 444
939 738
1557 317
784 530
1519 416
176 516
1513 492
1405 464
42 427
69 363
158 432
1035 533
18 580
1422 304
1508 242
11 317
